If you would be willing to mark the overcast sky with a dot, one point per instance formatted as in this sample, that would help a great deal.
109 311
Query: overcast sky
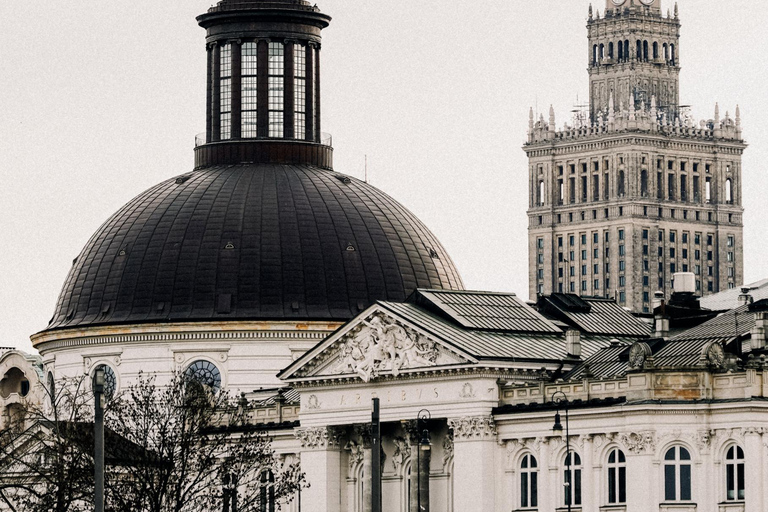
101 100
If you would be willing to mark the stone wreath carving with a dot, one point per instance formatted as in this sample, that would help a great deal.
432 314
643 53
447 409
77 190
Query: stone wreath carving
379 344
472 427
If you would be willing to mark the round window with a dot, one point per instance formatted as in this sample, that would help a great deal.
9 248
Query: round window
204 372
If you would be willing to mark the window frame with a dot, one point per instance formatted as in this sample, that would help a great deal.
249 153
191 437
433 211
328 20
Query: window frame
528 481
737 465
615 471
676 469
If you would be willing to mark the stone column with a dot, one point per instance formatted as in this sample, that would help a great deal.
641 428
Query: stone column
474 463
321 462
590 483
753 470
363 434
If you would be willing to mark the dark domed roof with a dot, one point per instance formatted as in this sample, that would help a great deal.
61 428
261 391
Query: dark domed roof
252 242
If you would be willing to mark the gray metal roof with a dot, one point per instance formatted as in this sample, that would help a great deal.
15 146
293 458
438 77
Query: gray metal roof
252 241
729 299
598 316
488 311
484 344
605 363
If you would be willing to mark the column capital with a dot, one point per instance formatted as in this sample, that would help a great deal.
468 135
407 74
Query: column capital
471 428
318 438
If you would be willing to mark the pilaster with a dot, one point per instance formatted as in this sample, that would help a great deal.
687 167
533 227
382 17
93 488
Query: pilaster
321 462
474 451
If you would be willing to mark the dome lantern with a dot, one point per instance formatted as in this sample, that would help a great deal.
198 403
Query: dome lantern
263 84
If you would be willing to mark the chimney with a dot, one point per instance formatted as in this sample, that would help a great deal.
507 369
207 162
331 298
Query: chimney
662 326
658 300
745 298
573 342
758 331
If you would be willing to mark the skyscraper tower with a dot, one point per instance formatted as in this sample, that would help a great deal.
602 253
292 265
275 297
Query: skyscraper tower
634 190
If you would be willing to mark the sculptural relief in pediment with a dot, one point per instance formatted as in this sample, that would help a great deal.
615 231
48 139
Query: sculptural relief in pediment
380 344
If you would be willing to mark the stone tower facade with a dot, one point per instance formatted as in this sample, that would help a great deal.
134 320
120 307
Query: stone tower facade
634 190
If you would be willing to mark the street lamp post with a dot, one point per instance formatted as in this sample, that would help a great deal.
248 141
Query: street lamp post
422 502
561 400
98 440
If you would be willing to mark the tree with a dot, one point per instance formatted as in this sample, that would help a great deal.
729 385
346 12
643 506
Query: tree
195 449
184 446
45 460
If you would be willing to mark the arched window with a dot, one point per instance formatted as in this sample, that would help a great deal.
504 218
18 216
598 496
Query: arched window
602 52
639 51
734 474
541 193
626 49
110 379
645 51
621 183
204 372
572 480
617 477
267 491
529 482
728 191
594 54
677 474
666 53
644 183
276 90
621 51
672 56
610 50
655 50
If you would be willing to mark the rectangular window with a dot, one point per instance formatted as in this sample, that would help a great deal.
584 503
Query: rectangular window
622 281
583 239
249 90
730 256
621 250
225 91
731 241
300 91
685 254
583 270
584 255
276 89
621 234
672 236
571 240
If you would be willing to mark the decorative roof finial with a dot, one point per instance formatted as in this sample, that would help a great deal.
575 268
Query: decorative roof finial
738 117
717 115
676 10
590 11
530 119
551 118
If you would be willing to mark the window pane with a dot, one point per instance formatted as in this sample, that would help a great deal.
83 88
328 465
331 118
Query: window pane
534 490
670 455
612 457
740 481
684 455
622 485
611 485
730 482
685 482
577 487
669 483
524 490
533 461
621 456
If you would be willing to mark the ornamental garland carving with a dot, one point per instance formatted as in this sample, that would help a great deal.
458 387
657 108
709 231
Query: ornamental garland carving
380 344
402 453
317 438
476 427
447 449
639 442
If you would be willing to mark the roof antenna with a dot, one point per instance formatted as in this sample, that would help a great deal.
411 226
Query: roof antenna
366 168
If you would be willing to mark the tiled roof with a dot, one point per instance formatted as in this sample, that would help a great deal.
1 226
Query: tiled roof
487 311
729 299
252 241
605 363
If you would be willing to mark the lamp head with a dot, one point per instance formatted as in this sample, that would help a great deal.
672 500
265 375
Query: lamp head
558 427
424 444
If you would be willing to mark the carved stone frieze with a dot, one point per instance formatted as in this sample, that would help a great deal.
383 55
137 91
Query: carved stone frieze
318 438
381 344
639 442
447 448
402 453
476 427
356 454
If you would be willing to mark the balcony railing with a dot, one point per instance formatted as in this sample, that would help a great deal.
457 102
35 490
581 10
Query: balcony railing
326 139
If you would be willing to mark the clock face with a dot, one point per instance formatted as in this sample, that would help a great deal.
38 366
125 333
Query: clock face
618 2
647 2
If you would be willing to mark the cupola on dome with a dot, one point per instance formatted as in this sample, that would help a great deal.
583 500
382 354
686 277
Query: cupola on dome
263 228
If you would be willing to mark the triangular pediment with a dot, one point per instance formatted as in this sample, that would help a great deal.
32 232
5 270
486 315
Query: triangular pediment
375 343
